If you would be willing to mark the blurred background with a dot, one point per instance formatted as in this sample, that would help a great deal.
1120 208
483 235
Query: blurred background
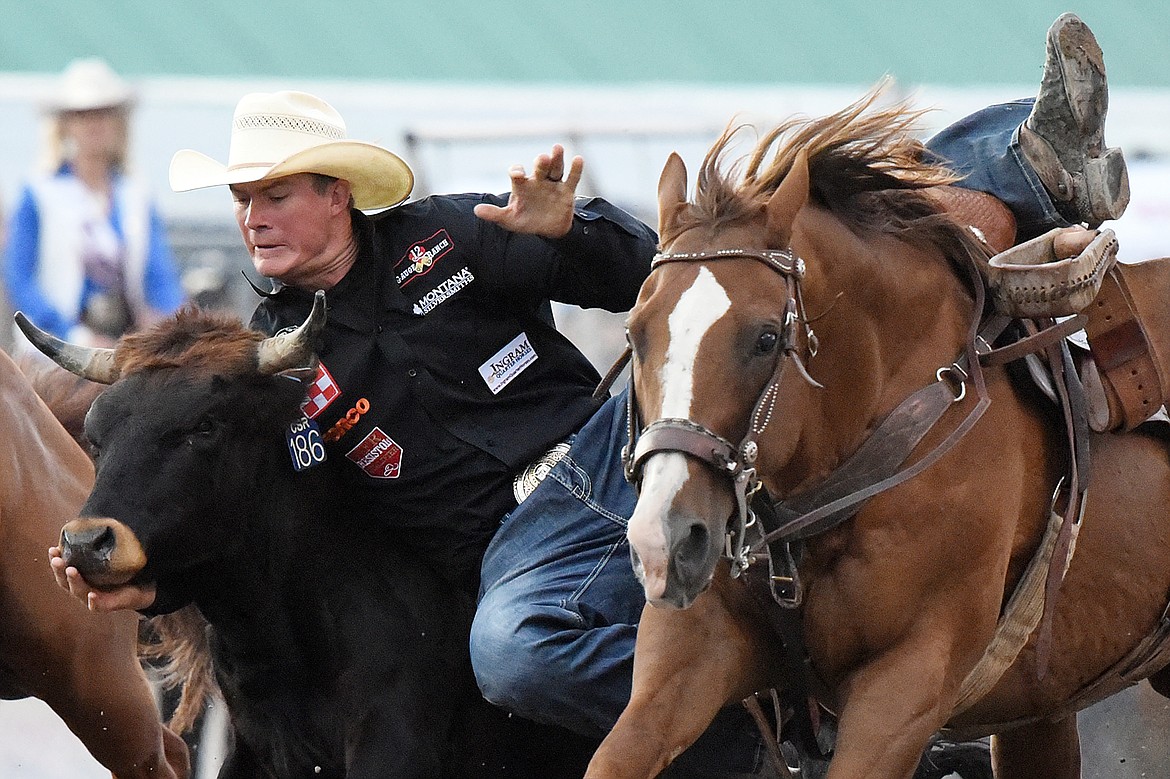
462 89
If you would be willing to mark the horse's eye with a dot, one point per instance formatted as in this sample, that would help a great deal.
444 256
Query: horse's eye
766 343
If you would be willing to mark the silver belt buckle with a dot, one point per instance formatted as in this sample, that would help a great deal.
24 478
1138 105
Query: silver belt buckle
533 474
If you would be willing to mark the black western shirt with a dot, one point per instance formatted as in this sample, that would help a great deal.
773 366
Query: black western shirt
442 371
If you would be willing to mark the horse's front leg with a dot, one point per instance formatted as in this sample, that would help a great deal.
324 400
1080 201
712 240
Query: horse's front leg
891 706
688 664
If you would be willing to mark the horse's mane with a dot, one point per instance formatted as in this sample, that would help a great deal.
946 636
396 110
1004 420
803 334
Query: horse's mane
199 340
865 165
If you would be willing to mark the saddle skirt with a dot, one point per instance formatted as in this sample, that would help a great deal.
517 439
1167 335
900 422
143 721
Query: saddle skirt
1126 370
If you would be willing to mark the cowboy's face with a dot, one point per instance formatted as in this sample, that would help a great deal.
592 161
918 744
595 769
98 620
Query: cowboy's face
290 225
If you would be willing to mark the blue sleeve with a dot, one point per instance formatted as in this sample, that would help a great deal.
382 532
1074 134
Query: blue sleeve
21 256
164 290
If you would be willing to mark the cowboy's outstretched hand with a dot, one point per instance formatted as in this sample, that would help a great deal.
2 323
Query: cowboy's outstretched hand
132 597
540 204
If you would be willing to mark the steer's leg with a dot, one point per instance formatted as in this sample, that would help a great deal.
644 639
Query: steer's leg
687 665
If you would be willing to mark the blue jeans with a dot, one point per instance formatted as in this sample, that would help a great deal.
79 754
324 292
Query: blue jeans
985 147
553 637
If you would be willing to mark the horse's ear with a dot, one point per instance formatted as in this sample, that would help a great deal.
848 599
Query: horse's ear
787 200
672 191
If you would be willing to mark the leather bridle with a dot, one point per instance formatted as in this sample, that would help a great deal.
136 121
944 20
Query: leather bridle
852 483
691 438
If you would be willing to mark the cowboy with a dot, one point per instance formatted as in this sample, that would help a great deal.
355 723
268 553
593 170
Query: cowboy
442 374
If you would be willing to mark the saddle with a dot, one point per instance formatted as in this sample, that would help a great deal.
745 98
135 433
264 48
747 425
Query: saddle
1126 366
1129 339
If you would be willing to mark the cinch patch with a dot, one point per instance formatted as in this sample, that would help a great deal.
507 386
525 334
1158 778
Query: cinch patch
420 258
321 392
378 455
508 363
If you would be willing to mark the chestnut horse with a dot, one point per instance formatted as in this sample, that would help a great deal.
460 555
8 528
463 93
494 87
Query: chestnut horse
793 307
85 666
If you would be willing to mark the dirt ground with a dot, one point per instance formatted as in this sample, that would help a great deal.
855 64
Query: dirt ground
1121 738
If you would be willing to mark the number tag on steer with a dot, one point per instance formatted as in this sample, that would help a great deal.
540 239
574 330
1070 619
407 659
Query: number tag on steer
304 444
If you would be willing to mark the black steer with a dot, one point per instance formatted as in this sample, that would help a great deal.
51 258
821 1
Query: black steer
338 656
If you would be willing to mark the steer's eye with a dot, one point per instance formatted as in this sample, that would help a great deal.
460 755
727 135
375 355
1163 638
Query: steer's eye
205 427
766 343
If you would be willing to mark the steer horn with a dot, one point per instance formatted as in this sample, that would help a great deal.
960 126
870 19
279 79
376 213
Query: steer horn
293 349
88 362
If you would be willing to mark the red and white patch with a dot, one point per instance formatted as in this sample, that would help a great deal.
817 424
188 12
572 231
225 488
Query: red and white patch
378 455
422 257
322 391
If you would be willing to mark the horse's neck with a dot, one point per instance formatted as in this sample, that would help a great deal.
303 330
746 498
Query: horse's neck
892 316
37 448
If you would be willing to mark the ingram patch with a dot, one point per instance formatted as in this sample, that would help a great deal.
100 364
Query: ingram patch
508 363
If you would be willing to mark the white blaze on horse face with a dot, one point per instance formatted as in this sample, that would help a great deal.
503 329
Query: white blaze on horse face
697 310
700 307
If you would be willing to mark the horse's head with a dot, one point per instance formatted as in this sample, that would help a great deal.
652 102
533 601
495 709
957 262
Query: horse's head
717 336
722 336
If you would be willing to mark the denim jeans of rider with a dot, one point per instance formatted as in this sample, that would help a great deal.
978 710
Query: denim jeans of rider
985 147
553 637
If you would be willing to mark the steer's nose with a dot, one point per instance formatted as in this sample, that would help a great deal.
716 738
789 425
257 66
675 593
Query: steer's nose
90 546
106 552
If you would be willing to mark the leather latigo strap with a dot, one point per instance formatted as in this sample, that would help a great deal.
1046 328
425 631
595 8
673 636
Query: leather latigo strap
1125 315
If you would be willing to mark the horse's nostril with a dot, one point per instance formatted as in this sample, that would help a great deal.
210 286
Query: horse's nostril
697 538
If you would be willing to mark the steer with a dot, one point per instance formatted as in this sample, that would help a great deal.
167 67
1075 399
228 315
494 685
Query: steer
338 655
83 665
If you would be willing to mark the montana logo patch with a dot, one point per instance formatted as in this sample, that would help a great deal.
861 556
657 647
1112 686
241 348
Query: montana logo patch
322 391
421 257
378 455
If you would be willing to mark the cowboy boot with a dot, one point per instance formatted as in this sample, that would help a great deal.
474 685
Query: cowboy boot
1063 139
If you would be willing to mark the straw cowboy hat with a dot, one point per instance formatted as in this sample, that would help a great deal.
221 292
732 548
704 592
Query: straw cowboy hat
87 85
281 133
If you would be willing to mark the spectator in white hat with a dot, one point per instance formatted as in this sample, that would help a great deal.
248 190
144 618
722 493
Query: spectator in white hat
87 256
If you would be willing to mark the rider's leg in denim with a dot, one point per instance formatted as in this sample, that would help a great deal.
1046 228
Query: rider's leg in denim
553 637
1046 157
